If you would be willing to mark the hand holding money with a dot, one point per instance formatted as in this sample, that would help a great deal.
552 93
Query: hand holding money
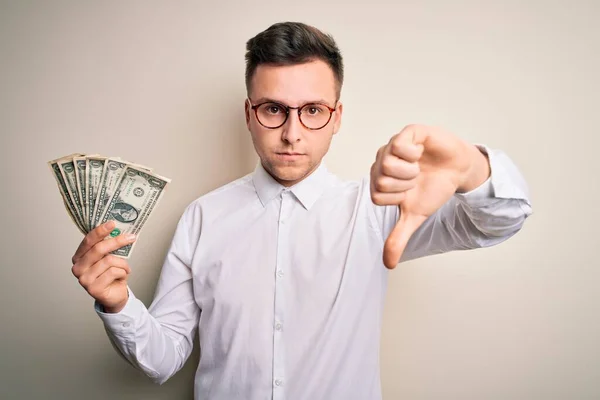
103 275
98 189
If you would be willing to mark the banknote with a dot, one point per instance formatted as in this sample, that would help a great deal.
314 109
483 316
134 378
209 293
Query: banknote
93 178
62 188
135 197
111 175
67 169
96 189
80 169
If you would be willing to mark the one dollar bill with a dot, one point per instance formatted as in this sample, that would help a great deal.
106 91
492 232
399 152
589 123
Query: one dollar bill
67 169
93 178
64 191
135 197
80 164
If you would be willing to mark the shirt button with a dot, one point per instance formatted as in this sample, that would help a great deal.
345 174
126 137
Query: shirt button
280 273
278 382
278 327
126 324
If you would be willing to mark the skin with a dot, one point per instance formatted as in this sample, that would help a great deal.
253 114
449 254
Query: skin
419 170
293 86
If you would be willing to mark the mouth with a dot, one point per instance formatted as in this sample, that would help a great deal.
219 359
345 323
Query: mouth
289 155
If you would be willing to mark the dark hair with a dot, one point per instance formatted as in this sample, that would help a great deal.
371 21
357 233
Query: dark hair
291 43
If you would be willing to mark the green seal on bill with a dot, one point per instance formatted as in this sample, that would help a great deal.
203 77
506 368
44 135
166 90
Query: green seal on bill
115 232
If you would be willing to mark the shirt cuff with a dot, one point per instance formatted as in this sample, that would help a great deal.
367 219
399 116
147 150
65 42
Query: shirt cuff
484 191
504 182
123 322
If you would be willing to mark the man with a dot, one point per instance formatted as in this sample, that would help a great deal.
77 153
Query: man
282 271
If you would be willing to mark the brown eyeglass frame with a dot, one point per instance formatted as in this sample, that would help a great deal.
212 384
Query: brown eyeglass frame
287 113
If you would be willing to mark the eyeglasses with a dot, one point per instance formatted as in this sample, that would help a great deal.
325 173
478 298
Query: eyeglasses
312 116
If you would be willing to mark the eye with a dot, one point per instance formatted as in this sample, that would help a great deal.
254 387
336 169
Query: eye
273 109
313 109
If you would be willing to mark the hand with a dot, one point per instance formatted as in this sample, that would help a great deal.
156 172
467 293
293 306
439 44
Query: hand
419 170
103 275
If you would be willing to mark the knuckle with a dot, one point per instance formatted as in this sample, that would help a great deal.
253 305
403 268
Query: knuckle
116 273
94 291
117 262
75 270
387 166
87 240
381 185
101 248
126 267
85 281
109 259
377 199
396 147
110 273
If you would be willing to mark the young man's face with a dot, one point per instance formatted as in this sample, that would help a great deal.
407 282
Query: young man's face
292 151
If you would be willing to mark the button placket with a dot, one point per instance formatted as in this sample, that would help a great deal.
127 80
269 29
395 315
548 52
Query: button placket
282 257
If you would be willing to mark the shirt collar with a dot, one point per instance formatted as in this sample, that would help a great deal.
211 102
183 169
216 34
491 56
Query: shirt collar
306 191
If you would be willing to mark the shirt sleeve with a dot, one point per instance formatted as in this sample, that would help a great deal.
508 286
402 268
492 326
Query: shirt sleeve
483 217
159 339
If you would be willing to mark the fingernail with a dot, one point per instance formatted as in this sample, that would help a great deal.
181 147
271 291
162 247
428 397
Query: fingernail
110 225
130 237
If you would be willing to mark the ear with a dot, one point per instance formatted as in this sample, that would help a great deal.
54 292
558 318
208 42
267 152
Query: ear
337 115
247 110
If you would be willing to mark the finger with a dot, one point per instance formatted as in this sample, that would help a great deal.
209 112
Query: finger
387 199
105 280
399 237
110 261
104 247
385 184
408 144
93 237
398 168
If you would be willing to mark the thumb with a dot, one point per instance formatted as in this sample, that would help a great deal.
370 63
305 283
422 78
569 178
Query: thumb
398 238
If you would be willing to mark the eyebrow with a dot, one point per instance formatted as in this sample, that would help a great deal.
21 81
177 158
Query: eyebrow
270 100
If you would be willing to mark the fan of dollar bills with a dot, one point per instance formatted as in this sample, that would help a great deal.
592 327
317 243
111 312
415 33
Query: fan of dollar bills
98 189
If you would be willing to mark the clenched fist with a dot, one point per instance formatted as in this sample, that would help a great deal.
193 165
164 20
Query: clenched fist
103 275
419 170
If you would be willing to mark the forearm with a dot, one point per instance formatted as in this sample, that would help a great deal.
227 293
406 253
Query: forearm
482 217
150 343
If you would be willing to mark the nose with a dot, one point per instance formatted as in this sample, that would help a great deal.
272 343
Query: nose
292 129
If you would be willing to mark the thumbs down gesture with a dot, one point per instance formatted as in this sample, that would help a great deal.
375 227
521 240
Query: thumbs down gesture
419 170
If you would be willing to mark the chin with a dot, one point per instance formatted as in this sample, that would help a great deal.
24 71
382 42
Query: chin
289 173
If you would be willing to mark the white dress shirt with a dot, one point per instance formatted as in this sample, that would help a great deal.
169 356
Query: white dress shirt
286 286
